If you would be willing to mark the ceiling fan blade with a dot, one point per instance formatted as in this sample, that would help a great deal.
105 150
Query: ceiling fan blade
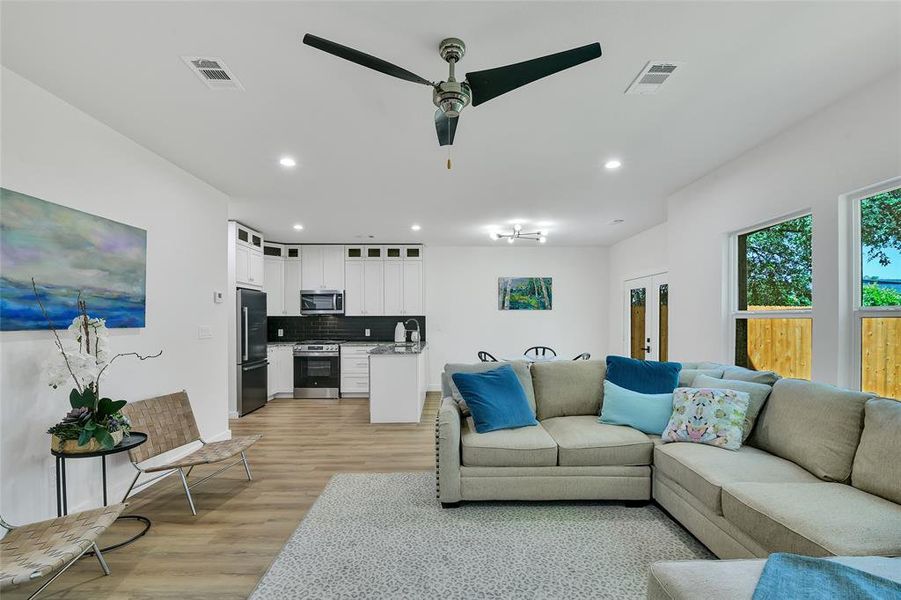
446 128
363 59
491 83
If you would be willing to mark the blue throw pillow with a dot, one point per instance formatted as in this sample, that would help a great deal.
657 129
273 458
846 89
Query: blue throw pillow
649 413
645 376
496 399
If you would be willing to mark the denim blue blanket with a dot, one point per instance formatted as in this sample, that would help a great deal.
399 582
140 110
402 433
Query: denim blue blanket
794 577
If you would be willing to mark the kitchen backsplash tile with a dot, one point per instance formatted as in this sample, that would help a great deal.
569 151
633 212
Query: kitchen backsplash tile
352 329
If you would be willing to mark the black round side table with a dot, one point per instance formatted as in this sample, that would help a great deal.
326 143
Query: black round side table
133 440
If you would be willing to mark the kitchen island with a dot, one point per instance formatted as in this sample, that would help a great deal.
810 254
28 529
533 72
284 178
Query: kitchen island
397 383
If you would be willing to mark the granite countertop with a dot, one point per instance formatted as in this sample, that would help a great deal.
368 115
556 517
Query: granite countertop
280 343
367 343
398 349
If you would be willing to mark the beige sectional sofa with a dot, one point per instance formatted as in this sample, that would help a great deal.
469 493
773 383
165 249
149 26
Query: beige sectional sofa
819 475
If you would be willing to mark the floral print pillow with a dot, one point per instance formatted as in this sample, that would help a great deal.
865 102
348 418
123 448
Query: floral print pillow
707 416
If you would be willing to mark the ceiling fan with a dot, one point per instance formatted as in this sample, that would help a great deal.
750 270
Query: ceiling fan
453 96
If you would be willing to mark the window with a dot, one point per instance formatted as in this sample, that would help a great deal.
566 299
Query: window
877 292
773 297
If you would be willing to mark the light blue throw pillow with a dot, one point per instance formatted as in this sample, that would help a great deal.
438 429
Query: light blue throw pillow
645 412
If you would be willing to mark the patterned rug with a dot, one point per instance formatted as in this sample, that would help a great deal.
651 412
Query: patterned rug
386 536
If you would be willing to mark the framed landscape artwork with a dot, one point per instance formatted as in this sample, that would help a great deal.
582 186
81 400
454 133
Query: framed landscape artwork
68 252
524 293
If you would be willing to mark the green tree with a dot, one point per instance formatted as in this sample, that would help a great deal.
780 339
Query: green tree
777 265
880 225
873 295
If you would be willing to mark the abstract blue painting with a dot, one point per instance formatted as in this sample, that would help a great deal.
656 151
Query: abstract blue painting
68 251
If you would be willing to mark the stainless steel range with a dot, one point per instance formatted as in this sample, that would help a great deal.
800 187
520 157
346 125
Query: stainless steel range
317 369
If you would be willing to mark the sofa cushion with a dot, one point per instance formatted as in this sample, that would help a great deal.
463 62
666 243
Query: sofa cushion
703 470
758 393
520 367
737 579
812 424
815 519
743 374
648 413
496 399
687 376
877 464
645 376
564 388
584 442
523 447
704 365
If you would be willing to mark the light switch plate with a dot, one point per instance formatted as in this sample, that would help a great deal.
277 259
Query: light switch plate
281 333
218 297
368 333
204 333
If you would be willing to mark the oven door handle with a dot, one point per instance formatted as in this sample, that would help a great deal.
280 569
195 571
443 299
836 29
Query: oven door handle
316 354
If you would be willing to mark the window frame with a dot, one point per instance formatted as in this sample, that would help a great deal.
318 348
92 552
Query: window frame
858 311
734 314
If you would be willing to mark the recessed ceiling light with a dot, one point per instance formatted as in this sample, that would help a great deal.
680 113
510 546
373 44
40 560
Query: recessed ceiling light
287 161
613 164
415 227
298 226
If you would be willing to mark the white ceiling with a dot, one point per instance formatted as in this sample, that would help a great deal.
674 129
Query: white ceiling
369 163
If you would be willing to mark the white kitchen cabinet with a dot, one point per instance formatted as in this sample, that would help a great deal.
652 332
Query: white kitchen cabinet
323 267
394 252
284 382
354 288
355 370
394 287
280 372
413 304
271 372
412 252
257 274
293 275
374 287
274 285
333 267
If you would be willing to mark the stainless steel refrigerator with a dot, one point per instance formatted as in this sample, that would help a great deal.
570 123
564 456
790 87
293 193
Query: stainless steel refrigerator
252 364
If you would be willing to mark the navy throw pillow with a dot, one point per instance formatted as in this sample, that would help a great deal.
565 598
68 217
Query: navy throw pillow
495 399
645 376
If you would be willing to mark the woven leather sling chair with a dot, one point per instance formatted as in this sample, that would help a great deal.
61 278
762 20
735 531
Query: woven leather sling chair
169 423
30 552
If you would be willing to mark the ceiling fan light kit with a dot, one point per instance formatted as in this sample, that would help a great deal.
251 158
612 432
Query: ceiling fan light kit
452 96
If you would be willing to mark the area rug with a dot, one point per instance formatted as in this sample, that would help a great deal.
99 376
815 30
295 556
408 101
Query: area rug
386 536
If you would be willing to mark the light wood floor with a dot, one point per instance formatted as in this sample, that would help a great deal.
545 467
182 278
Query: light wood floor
240 525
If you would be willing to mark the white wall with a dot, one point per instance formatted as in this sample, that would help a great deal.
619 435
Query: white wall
461 303
638 256
849 145
55 152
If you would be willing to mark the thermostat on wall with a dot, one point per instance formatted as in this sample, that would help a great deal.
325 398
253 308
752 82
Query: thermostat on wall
218 297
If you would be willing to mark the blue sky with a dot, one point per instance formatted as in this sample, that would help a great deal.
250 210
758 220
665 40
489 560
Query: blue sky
892 271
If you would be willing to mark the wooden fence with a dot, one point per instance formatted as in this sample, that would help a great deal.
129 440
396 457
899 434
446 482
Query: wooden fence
781 345
881 356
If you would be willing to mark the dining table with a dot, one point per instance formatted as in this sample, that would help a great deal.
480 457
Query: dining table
532 359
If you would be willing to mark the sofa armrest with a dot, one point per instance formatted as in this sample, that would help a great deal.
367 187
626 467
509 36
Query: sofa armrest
447 451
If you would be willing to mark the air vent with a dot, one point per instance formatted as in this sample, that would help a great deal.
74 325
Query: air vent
652 76
213 72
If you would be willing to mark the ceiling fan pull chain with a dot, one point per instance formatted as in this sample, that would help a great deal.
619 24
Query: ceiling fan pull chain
449 156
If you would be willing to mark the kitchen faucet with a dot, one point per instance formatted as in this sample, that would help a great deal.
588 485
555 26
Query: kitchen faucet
416 330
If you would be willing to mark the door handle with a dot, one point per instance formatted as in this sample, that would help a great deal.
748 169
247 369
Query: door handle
647 349
246 334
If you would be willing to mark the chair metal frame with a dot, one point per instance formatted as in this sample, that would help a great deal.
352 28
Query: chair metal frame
38 574
486 356
184 477
540 351
583 356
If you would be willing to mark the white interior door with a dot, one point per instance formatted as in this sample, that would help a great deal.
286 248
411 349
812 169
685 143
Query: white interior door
646 317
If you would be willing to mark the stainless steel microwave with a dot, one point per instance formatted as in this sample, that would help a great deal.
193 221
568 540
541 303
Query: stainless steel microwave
322 302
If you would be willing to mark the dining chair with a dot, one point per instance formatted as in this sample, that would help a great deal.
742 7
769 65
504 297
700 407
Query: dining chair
486 356
540 351
583 356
